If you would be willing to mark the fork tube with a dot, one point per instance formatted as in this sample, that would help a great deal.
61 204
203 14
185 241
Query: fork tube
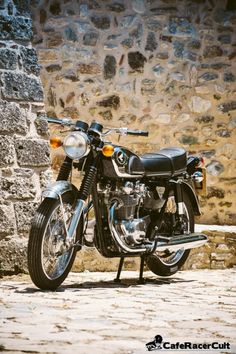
76 217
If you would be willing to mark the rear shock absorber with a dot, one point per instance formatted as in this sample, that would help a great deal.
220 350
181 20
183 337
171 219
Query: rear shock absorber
87 183
65 170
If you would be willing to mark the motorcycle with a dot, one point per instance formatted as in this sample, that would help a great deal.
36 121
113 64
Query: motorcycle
144 206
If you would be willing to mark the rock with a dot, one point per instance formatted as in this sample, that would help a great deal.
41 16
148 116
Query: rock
42 16
107 115
190 55
180 26
110 46
151 43
6 220
127 43
55 8
177 76
137 33
32 152
128 21
109 67
70 34
215 192
15 28
232 123
183 117
13 118
54 39
7 151
167 10
188 140
224 38
53 67
208 153
229 77
83 26
223 133
154 25
227 107
101 22
25 212
223 16
90 69
178 49
41 126
83 54
13 257
17 187
22 87
213 51
83 10
138 6
116 7
227 150
148 87
199 105
162 55
194 44
8 59
29 60
205 119
163 118
215 168
208 76
110 101
136 61
90 38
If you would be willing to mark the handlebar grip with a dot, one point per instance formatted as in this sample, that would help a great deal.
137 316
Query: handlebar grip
137 132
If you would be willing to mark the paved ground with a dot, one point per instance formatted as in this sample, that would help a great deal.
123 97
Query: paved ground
91 314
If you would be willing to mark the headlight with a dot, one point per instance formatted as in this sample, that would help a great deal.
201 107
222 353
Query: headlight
76 145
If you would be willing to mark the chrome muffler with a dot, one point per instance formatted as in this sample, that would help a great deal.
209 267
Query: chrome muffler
186 242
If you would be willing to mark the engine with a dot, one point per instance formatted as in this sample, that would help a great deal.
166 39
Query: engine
127 199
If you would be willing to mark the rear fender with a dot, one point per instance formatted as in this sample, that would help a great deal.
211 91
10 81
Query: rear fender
189 189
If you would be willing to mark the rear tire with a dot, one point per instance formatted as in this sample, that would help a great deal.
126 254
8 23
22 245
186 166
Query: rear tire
46 267
160 265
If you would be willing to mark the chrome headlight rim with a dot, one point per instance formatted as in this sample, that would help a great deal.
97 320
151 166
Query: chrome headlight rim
76 145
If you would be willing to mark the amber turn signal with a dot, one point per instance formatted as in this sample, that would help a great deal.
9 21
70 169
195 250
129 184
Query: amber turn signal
55 142
108 150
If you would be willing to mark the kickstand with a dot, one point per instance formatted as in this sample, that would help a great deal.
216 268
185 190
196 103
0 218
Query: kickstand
141 279
117 279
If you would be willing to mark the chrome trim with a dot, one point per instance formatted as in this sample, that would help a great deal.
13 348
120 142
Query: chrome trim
185 242
76 217
119 174
55 189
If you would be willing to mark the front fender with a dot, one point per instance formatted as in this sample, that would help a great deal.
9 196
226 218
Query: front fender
58 188
189 189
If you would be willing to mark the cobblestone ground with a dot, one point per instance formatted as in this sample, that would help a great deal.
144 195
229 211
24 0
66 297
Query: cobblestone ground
91 314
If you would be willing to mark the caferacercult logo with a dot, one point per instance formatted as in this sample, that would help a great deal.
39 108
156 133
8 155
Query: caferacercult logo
158 343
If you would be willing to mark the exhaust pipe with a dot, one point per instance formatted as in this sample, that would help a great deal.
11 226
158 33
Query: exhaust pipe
185 242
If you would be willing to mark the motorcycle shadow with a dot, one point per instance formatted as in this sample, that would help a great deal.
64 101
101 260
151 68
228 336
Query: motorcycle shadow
109 284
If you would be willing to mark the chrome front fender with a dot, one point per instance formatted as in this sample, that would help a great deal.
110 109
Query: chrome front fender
58 188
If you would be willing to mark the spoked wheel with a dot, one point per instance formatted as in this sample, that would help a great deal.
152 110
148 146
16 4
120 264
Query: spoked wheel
50 251
166 263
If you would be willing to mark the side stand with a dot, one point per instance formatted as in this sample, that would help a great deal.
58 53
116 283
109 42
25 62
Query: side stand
141 278
117 279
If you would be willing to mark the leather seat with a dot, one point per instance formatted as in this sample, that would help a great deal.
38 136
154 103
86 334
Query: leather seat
166 162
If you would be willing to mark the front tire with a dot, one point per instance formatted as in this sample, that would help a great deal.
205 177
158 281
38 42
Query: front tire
166 265
49 261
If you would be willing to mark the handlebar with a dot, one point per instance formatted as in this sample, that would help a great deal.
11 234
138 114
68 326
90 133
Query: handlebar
122 131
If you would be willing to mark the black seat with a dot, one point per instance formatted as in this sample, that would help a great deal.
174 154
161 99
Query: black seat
166 162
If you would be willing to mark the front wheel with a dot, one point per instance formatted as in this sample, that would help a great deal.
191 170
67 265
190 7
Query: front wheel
166 264
49 256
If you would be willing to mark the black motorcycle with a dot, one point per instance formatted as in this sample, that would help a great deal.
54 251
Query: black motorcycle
144 206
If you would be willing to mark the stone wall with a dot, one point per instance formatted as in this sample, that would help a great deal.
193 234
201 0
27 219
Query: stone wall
24 152
166 66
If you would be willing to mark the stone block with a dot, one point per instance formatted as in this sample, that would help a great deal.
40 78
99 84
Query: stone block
32 152
8 59
181 26
6 220
15 28
12 118
13 256
29 60
109 67
110 101
41 127
7 151
215 168
136 61
199 105
90 38
24 212
101 22
18 86
17 188
151 43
